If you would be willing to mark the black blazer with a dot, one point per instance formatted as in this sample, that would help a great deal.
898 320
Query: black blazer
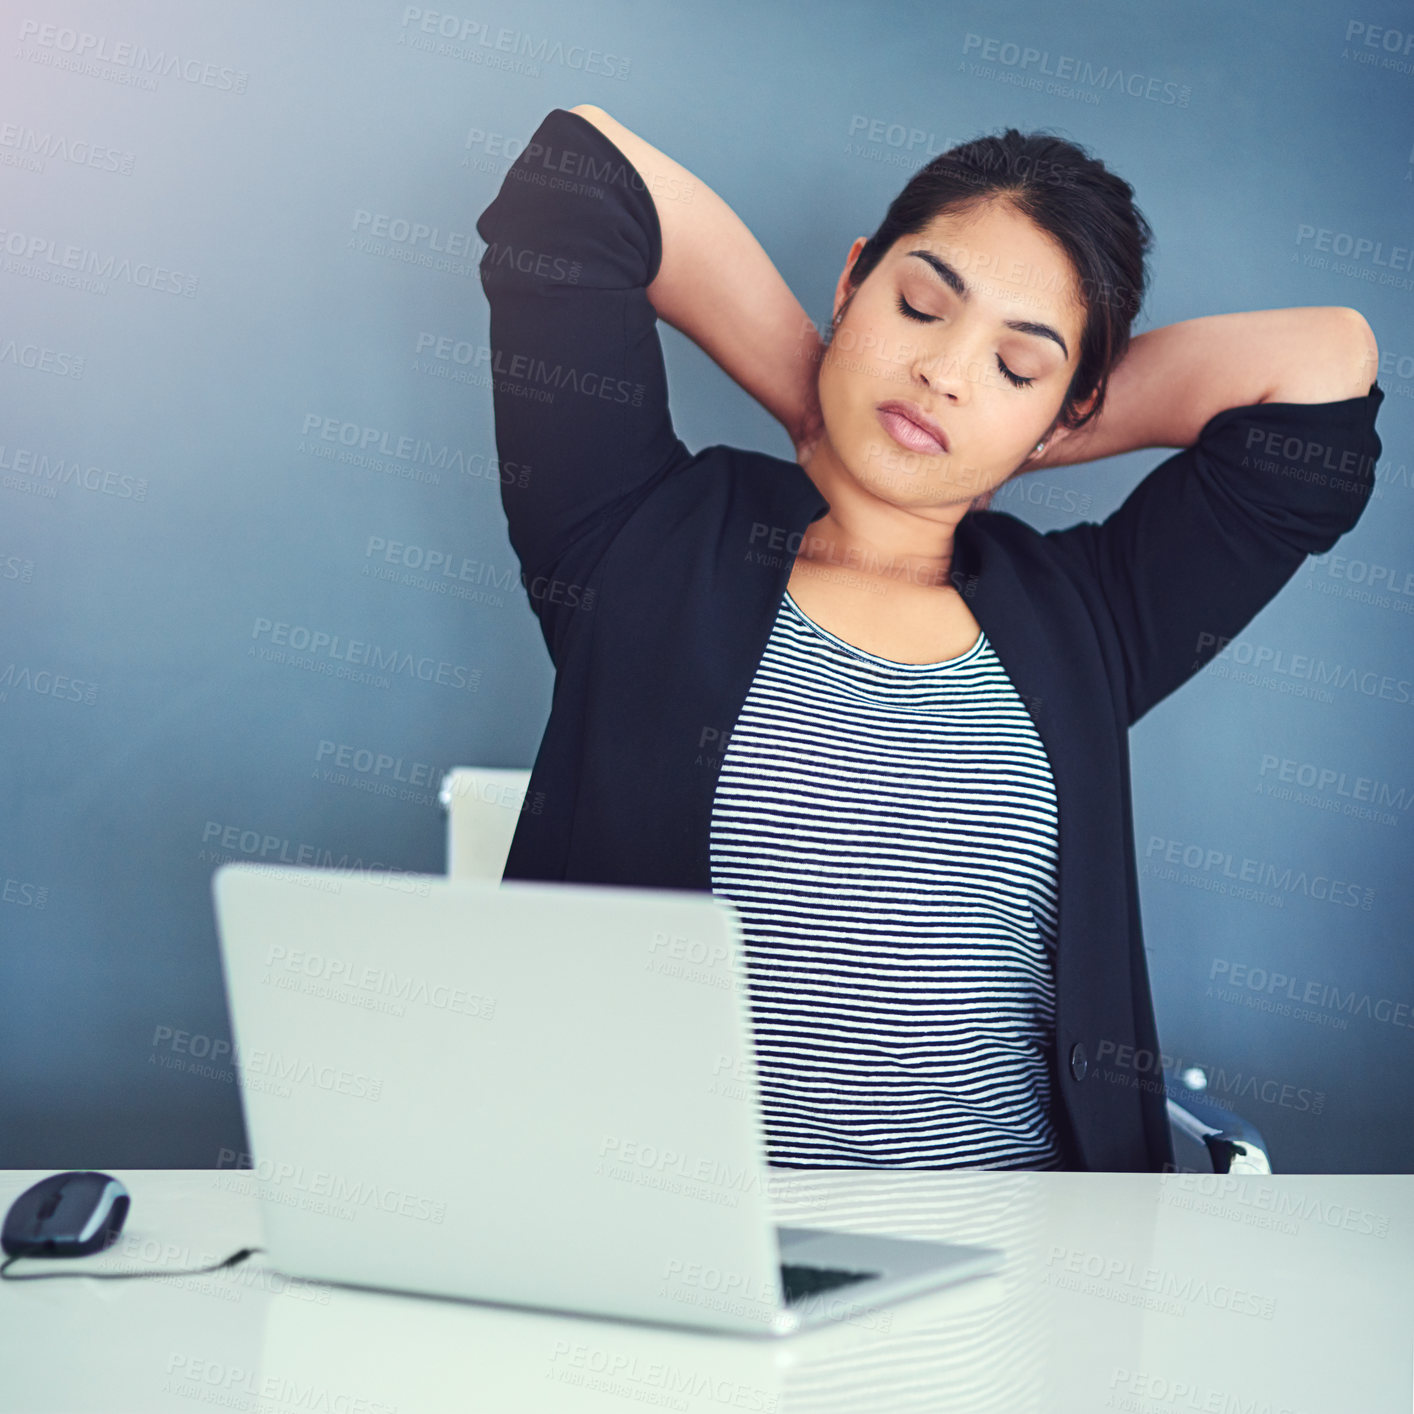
656 574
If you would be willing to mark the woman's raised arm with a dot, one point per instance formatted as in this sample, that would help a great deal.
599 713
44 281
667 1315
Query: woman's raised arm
1173 380
718 286
1274 412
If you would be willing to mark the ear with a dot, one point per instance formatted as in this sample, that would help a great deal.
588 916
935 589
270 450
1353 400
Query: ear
1084 407
842 284
1057 434
1081 409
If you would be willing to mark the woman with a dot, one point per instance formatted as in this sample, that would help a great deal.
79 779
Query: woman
888 723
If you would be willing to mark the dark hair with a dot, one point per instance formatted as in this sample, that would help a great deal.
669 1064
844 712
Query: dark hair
1087 209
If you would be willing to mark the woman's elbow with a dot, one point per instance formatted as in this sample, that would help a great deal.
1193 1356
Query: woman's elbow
1355 354
1338 359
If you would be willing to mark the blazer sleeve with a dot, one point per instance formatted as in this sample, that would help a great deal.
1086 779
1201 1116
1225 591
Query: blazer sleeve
578 383
1212 534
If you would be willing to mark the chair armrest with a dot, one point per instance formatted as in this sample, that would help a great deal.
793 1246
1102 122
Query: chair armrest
483 806
1235 1145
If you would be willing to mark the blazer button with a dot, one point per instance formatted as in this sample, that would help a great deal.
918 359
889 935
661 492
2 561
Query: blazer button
1077 1061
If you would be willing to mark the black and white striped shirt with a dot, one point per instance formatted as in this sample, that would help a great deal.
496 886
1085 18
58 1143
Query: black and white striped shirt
888 834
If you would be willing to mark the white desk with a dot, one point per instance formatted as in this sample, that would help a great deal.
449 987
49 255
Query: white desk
1159 1294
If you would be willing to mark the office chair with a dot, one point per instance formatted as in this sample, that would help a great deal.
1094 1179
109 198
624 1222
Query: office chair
483 807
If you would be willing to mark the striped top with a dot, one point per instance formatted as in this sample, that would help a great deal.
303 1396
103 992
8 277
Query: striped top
888 835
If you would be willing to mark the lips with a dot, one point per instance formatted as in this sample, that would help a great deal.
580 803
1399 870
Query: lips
912 428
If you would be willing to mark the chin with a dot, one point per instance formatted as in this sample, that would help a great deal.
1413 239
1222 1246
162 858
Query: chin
881 463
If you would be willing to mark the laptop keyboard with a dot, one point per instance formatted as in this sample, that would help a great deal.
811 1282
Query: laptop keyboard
801 1281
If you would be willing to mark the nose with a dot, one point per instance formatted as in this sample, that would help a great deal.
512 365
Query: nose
944 367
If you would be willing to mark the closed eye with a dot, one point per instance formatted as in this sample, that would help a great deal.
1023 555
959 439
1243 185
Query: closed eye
908 311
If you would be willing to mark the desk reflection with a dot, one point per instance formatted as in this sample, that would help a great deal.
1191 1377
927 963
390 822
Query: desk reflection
989 1343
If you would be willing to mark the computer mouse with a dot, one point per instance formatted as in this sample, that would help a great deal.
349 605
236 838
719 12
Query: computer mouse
66 1215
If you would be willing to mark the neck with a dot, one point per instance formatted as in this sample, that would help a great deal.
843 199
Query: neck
875 537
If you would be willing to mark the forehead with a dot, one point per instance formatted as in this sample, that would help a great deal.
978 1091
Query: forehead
1004 259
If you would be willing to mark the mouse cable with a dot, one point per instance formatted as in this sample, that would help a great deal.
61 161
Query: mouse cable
122 1276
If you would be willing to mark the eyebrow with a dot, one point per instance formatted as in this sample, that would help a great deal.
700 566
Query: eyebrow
955 282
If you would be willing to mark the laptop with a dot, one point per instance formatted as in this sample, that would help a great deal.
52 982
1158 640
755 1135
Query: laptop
540 1095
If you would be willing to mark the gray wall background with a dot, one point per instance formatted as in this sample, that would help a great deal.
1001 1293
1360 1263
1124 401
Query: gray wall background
171 481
